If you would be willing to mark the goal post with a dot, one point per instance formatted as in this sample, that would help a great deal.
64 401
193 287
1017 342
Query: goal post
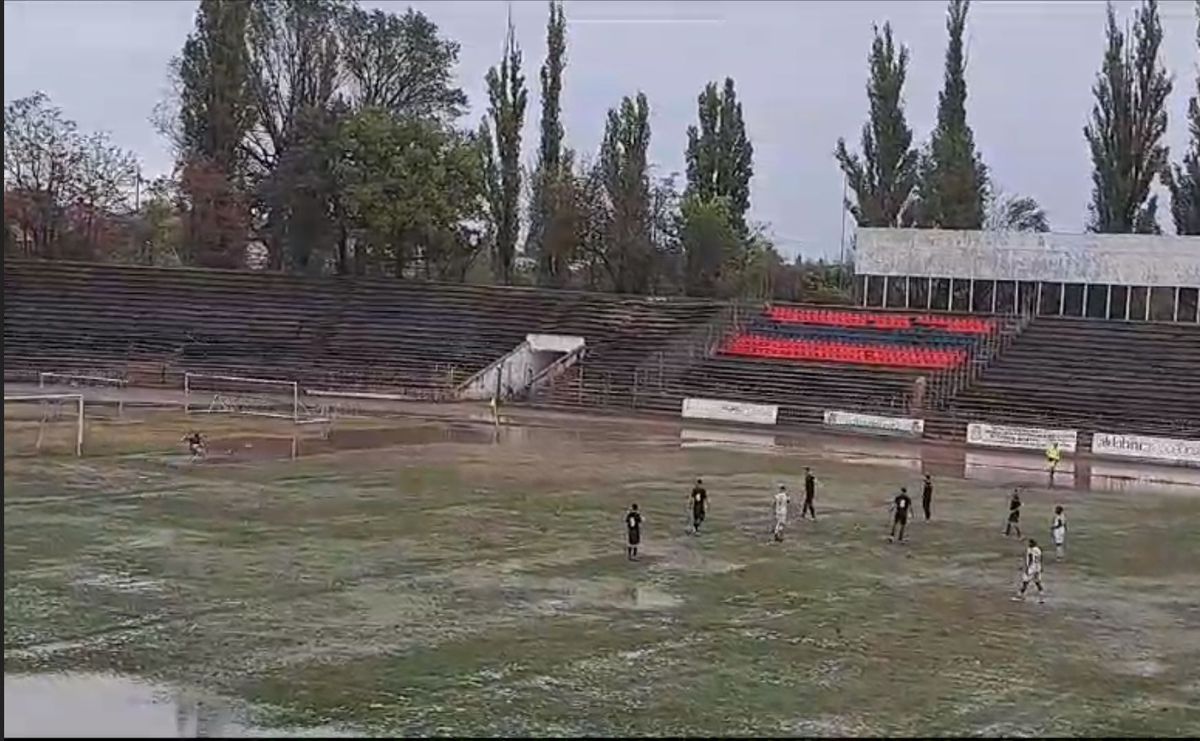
213 393
54 378
49 408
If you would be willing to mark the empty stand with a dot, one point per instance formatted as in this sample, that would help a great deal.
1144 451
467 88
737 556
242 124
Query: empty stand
1090 375
414 338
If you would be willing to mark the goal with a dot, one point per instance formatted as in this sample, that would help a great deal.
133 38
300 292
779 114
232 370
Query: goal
49 381
209 393
44 422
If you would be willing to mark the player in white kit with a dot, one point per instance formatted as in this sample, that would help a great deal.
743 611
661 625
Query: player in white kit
1032 571
1058 531
781 508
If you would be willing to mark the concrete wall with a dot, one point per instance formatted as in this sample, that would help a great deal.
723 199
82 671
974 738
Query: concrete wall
1117 259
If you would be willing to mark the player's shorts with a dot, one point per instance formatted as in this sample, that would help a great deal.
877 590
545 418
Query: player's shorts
1028 576
780 522
196 449
1059 537
1014 517
698 514
901 519
635 537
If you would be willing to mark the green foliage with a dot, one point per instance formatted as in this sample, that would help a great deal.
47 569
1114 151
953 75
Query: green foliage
552 179
954 180
1183 180
216 113
507 96
884 177
1129 120
400 64
709 244
624 173
412 188
720 159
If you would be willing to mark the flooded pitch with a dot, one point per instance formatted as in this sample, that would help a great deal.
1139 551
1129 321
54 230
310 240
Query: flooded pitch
418 576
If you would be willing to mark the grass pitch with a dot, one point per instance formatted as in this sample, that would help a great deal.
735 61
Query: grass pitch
433 579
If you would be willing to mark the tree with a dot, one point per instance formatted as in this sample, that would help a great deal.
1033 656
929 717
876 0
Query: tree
720 159
400 64
412 190
293 58
42 158
63 190
884 177
502 166
215 113
550 184
1015 214
954 182
709 242
1128 122
623 169
1184 179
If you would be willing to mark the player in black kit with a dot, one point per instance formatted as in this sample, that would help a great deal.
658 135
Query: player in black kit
699 505
810 491
927 497
901 506
1014 515
633 526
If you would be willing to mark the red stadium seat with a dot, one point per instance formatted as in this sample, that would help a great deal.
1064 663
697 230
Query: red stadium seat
881 320
841 352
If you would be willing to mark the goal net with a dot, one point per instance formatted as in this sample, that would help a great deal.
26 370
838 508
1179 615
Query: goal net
44 424
261 397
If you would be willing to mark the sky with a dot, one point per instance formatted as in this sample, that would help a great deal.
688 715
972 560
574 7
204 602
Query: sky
800 70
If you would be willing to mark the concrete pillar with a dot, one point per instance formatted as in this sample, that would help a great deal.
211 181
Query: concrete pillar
1176 313
1062 298
1108 303
971 296
928 294
886 287
1149 295
908 292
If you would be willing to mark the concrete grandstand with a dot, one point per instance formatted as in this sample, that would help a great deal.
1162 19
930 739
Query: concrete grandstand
952 330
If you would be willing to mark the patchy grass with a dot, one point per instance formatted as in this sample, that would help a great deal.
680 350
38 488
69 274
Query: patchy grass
472 581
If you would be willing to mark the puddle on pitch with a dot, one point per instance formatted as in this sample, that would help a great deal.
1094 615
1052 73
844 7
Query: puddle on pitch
102 705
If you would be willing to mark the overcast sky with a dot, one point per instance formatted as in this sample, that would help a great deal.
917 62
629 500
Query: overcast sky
800 69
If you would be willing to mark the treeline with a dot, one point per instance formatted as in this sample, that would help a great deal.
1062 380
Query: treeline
315 136
945 184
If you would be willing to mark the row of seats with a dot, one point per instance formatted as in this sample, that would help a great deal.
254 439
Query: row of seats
870 336
881 320
1092 375
841 352
370 334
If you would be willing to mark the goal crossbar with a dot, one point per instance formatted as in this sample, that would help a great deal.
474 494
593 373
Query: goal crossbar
44 376
77 398
221 402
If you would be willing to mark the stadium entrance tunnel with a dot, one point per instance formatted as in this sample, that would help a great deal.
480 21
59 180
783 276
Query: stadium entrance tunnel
534 362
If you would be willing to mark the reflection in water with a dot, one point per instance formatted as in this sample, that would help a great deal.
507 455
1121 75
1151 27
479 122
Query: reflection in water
1000 467
1131 478
90 705
1016 468
705 438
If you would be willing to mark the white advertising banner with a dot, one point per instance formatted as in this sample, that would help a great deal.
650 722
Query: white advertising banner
1166 449
1023 438
730 411
835 418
